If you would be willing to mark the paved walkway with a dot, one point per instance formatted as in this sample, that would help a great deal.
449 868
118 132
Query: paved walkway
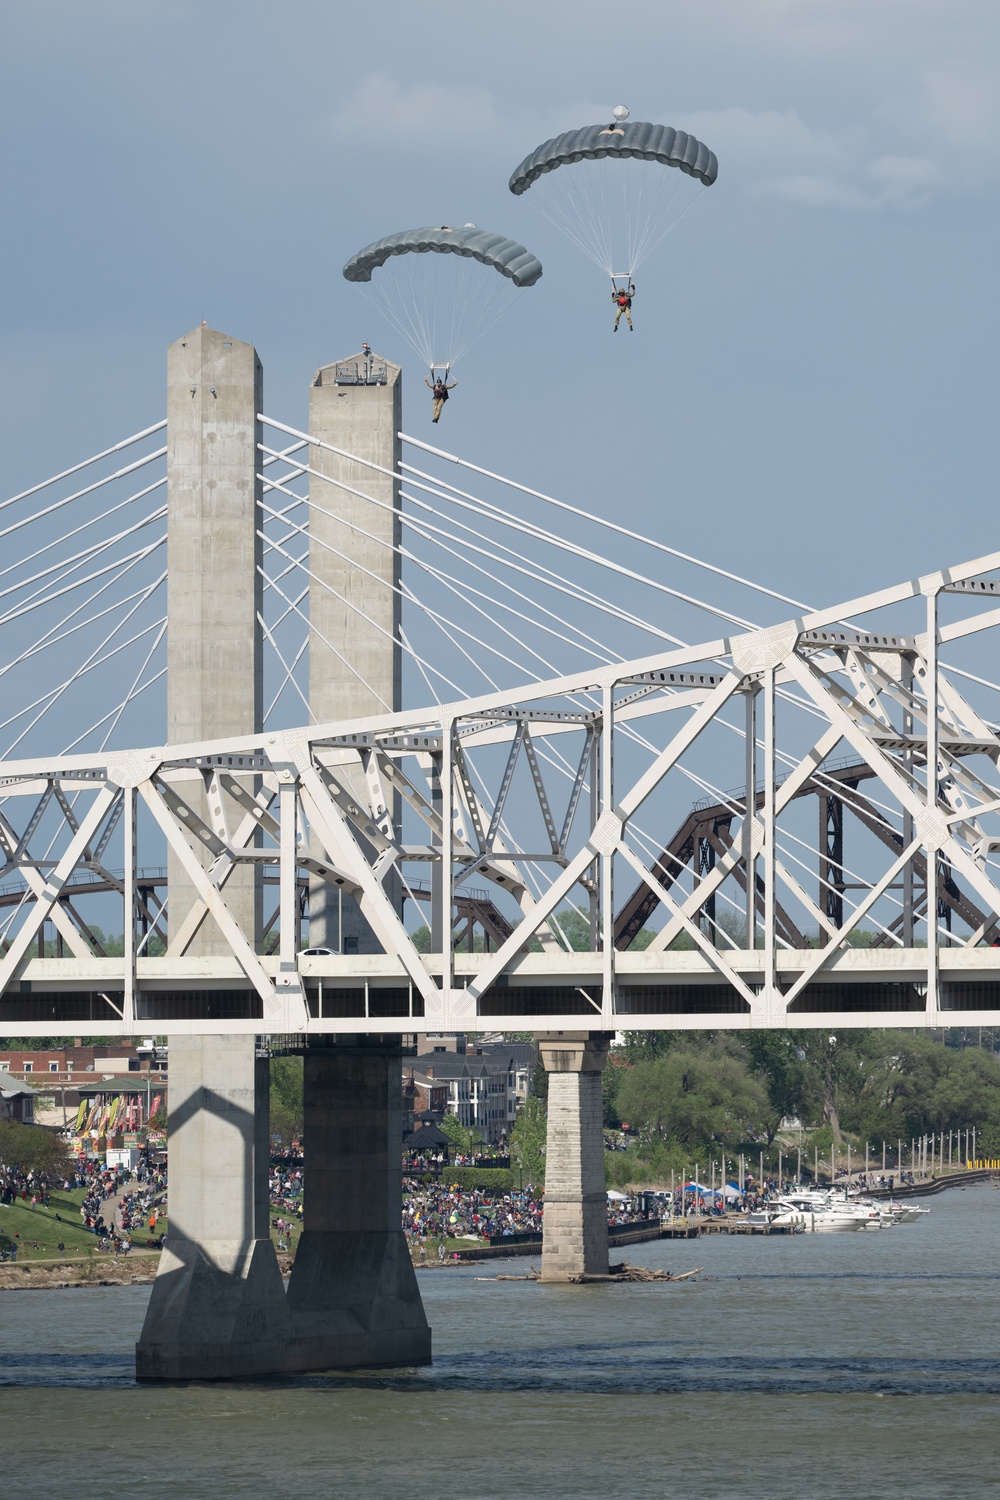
111 1209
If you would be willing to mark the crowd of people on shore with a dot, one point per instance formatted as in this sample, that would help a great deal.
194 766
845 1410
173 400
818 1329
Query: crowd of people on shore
28 1187
416 1163
439 1211
115 1216
284 1185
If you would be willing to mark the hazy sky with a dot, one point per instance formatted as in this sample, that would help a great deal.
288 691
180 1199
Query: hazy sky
810 391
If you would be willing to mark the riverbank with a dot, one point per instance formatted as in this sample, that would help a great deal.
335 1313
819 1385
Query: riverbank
96 1270
138 1269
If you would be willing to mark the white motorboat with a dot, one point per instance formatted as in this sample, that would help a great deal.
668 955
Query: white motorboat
819 1215
909 1213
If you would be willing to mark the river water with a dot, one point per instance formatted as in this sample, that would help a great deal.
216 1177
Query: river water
816 1366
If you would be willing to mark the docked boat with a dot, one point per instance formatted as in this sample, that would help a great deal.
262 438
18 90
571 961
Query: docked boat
818 1214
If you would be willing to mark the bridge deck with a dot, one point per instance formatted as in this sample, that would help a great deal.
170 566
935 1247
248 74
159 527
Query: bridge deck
539 992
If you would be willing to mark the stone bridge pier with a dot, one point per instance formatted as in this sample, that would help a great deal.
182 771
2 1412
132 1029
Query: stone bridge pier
575 1223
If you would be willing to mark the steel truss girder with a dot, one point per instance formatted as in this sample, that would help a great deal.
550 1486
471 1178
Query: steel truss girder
323 801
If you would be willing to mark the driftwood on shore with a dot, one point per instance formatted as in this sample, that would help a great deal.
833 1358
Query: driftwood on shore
97 1270
622 1272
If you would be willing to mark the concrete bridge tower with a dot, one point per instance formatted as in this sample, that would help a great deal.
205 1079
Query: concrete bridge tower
218 1309
353 1291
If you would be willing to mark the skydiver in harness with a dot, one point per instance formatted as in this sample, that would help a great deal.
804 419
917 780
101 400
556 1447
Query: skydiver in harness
439 393
622 298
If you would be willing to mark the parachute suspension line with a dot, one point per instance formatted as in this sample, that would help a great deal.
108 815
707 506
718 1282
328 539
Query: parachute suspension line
421 300
584 204
573 214
601 211
402 318
640 226
589 191
560 220
440 305
629 218
497 300
657 239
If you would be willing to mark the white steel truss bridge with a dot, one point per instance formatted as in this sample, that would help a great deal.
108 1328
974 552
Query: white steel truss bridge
576 777
838 865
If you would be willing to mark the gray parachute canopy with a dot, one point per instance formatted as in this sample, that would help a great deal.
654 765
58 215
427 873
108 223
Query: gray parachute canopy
506 256
634 138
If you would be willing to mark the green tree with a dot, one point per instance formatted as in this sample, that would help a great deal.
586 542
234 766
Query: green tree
780 1059
644 1046
461 1138
917 1086
286 1102
32 1148
527 1141
575 928
421 938
693 1095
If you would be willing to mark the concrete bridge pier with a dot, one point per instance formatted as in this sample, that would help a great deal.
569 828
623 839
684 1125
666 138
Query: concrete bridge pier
575 1224
353 1295
218 1309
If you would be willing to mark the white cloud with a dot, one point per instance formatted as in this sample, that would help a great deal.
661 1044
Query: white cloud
408 116
815 192
944 135
383 110
905 181
778 154
755 144
955 116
